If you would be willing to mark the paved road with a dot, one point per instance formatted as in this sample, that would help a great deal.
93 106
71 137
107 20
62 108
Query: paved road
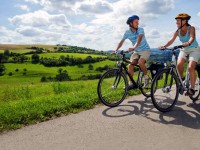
135 125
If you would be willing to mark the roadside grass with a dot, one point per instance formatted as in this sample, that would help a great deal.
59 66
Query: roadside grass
28 104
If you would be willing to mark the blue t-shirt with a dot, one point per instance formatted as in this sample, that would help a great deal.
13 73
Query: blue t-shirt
133 37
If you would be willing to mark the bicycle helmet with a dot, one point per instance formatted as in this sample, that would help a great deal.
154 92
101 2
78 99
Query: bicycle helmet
183 16
130 19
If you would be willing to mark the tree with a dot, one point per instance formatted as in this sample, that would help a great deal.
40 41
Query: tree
90 67
62 75
2 69
1 57
6 52
35 58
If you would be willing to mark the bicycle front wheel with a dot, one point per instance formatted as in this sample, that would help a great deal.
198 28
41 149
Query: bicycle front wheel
164 90
112 87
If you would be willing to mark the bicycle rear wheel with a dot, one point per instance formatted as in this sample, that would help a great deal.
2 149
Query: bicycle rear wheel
164 90
112 88
195 97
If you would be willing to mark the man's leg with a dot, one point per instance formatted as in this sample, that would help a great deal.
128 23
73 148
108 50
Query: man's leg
131 66
141 63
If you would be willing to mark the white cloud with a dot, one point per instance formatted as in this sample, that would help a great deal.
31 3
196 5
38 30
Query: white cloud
23 7
41 19
96 7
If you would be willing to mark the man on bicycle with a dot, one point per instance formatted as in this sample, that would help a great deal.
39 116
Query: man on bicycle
140 47
186 34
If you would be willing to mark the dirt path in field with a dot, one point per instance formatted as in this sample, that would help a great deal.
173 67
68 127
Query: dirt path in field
135 125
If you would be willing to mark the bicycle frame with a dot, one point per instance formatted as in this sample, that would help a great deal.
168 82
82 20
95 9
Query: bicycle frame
173 68
123 67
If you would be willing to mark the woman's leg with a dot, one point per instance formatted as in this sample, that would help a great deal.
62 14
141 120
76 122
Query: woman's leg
180 66
192 66
181 60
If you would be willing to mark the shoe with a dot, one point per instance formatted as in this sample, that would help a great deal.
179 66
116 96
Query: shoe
146 81
190 92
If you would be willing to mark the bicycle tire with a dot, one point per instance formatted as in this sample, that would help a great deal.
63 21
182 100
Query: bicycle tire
112 88
195 97
163 90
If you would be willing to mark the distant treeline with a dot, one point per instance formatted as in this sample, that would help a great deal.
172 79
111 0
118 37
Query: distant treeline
66 61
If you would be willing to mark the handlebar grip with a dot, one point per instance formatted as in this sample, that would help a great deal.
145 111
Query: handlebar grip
179 46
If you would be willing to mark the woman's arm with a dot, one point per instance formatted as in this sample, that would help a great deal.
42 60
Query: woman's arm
171 40
192 36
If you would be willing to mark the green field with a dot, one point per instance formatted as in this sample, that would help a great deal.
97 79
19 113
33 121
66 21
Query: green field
36 71
75 55
25 100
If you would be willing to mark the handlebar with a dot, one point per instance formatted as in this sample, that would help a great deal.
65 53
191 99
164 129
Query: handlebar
174 48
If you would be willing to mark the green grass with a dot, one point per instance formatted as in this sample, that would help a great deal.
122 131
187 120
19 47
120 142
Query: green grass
36 71
27 104
75 55
25 100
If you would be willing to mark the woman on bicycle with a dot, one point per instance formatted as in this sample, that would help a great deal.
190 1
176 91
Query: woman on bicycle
140 46
186 34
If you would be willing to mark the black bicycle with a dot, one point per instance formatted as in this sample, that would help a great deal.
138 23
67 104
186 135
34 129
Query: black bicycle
167 84
112 86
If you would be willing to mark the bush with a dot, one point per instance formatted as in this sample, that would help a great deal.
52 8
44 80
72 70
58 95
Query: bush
10 73
16 70
90 67
43 79
2 69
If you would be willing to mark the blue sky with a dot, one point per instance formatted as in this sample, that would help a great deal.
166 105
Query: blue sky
97 24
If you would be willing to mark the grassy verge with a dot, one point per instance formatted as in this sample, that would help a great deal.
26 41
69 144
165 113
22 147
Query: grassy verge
28 104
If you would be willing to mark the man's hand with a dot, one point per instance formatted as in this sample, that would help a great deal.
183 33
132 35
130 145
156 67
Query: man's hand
114 51
162 47
130 49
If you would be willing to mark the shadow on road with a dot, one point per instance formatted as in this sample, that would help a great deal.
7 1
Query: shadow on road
178 116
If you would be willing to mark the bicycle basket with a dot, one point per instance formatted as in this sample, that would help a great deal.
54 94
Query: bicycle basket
155 68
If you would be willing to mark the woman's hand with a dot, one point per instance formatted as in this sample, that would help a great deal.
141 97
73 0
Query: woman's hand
186 44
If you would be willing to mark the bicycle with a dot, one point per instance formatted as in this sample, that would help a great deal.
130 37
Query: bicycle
167 84
112 85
